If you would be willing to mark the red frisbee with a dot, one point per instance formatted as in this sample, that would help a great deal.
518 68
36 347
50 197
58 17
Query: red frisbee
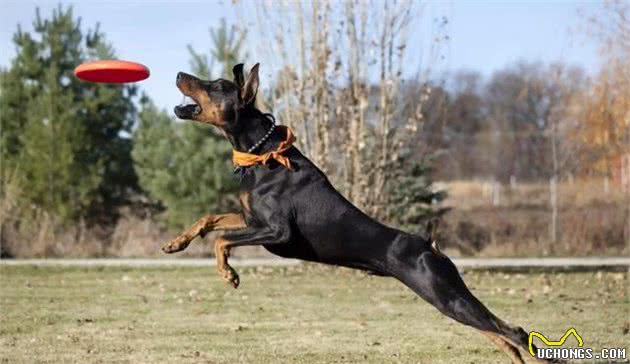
112 71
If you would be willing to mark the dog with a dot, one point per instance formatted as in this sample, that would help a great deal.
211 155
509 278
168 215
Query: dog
292 210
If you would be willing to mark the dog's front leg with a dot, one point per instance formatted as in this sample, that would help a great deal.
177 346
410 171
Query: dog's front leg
247 236
203 226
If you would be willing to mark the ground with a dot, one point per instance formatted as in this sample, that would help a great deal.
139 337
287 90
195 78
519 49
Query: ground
297 314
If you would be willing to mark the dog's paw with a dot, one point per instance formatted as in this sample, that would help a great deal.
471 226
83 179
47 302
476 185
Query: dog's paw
231 277
176 245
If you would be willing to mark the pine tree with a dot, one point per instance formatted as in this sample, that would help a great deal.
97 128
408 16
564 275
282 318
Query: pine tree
63 137
183 167
412 198
227 50
50 162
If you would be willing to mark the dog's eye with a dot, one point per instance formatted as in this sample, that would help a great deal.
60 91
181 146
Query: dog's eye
227 85
215 86
220 85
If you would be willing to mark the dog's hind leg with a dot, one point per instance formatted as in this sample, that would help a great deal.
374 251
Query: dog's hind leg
202 227
435 278
507 348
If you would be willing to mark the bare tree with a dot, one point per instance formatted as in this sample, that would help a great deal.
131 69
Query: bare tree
341 74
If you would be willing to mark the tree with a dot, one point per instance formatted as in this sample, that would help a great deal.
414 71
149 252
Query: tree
413 198
524 103
603 133
227 50
186 166
64 138
464 123
341 74
52 164
182 167
453 124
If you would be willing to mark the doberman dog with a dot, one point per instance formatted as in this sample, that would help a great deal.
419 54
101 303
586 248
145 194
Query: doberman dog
290 208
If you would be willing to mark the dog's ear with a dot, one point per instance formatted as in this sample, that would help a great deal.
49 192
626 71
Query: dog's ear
250 88
238 75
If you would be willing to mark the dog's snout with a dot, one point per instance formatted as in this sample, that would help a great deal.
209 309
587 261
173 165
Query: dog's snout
185 78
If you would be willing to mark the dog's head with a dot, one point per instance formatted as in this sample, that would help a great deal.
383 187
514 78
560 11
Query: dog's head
217 102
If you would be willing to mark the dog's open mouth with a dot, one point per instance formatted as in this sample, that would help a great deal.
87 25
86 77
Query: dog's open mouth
188 108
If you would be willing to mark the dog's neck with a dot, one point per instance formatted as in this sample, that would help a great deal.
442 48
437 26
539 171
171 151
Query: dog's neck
252 127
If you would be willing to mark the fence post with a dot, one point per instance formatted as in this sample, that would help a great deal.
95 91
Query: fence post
496 193
553 201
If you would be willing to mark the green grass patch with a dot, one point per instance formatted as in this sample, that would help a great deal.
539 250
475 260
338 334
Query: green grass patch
300 314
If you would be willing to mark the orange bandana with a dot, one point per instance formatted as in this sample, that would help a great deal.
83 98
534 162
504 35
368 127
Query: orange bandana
242 159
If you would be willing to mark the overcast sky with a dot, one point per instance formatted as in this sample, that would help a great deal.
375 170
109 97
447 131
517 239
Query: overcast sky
484 35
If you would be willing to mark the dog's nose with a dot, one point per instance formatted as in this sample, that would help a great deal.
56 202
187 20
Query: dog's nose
180 75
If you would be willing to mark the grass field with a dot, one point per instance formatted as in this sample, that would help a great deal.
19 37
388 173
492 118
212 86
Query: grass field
299 314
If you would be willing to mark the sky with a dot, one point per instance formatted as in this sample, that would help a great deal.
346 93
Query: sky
485 36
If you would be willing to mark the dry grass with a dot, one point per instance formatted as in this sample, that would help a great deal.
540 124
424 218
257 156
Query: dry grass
131 237
524 231
477 193
301 314
592 219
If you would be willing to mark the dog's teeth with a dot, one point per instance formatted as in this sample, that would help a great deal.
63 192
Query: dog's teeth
187 100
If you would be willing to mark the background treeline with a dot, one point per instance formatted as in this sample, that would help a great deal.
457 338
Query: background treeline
534 158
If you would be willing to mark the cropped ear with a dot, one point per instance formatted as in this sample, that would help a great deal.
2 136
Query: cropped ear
250 88
238 75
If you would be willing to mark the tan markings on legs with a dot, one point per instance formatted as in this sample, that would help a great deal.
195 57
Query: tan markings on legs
505 346
202 227
504 326
244 198
222 252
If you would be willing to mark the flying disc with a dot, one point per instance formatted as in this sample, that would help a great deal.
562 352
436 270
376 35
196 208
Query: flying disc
112 71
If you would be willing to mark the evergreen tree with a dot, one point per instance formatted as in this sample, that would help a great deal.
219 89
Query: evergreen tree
186 166
64 138
183 167
412 198
227 50
53 173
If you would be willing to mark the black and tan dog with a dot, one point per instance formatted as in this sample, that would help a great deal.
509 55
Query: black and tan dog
290 208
